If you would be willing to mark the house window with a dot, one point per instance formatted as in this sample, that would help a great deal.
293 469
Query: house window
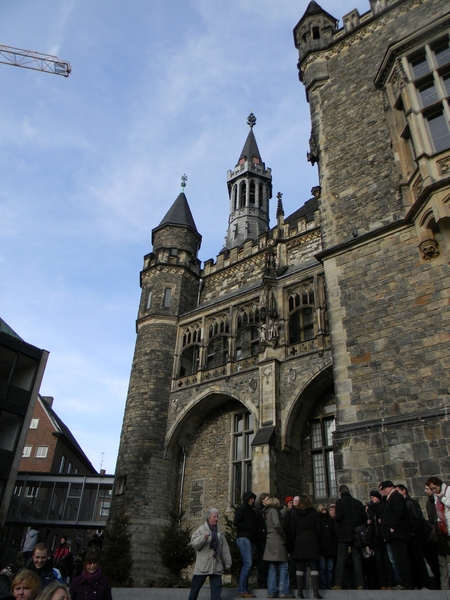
104 508
41 452
62 464
167 301
26 451
217 352
242 437
69 468
322 457
429 69
34 423
17 490
148 304
31 492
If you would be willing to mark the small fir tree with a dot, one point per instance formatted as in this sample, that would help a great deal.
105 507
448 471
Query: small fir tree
175 547
116 556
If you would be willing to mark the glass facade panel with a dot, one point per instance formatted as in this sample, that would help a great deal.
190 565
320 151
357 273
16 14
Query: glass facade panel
427 94
442 53
419 66
320 488
439 131
316 434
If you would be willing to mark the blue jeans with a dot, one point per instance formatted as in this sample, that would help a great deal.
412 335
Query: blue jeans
246 550
326 572
278 579
215 582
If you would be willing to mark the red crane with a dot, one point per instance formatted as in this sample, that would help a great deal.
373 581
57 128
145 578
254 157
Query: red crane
34 60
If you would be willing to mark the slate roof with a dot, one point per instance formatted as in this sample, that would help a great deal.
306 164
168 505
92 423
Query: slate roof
250 148
314 9
307 210
179 214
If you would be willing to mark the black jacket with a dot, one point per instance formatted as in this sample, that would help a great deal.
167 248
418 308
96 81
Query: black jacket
350 514
327 536
395 516
245 518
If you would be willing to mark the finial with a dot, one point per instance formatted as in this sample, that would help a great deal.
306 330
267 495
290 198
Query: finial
183 182
280 210
251 121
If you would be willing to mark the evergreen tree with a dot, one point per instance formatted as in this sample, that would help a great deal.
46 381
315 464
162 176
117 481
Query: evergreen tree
175 547
116 556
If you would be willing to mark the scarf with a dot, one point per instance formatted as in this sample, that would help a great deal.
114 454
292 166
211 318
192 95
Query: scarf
92 577
215 542
440 511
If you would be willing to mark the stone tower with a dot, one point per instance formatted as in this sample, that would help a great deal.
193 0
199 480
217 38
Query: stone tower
249 189
381 138
169 282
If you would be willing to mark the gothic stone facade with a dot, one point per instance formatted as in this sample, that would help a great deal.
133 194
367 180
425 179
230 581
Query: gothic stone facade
316 352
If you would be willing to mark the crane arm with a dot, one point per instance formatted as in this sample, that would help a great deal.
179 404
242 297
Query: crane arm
34 60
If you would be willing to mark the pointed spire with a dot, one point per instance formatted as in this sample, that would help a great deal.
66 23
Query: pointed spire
179 214
315 9
250 149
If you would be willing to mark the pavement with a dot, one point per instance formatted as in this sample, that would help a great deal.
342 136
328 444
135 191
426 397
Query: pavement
231 593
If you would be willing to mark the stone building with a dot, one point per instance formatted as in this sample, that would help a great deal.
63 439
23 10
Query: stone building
315 352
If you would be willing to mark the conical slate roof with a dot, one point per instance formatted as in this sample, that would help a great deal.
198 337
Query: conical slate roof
250 148
179 214
314 9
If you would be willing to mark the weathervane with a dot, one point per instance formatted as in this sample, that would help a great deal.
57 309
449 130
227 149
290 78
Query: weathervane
183 182
251 121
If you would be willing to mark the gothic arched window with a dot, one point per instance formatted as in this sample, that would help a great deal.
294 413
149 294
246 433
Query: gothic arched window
242 194
252 193
301 317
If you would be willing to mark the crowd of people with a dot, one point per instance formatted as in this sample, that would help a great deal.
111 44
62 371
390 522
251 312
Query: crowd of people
39 574
386 543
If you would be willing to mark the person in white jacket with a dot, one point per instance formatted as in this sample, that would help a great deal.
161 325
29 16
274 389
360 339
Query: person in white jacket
442 499
213 556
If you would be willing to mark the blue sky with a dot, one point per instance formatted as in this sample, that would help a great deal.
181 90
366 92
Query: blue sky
89 165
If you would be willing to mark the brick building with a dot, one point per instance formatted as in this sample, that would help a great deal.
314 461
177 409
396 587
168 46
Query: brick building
50 446
315 352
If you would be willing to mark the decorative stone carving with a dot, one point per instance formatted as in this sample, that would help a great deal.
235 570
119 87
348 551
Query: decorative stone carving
418 186
444 166
429 249
313 155
253 383
292 374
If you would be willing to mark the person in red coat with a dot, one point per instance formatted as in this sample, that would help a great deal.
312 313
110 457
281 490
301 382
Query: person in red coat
91 584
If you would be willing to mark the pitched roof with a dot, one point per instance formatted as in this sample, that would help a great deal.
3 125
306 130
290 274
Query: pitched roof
62 429
250 148
307 210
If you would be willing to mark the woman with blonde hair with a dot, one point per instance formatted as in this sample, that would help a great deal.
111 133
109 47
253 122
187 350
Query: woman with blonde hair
25 585
55 591
278 584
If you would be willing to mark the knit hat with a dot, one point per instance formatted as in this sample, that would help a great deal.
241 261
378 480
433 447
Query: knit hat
375 493
288 499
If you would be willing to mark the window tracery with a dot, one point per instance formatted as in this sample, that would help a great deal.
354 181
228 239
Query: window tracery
301 314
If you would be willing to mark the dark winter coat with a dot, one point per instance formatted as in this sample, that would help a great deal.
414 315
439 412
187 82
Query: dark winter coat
395 516
327 536
290 533
350 514
260 523
418 526
306 525
82 588
245 518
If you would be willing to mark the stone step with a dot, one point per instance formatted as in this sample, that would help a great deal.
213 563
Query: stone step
231 593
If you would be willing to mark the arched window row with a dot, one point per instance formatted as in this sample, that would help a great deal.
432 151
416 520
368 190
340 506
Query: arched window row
192 336
248 316
302 298
218 326
255 194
